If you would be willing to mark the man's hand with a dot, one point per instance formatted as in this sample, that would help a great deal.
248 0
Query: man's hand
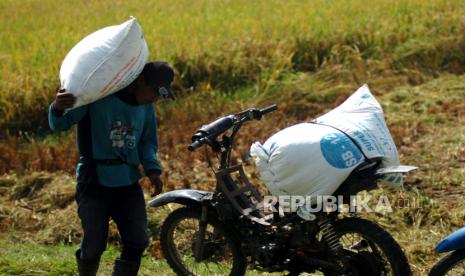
156 183
63 100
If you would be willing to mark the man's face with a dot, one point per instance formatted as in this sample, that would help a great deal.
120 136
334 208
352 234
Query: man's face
145 93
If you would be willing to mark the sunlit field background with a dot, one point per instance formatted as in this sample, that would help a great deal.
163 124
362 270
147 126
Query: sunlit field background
305 56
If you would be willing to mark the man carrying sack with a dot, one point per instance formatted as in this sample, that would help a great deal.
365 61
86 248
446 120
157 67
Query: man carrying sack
115 134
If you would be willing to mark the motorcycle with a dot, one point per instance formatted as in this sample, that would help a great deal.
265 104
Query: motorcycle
454 262
225 231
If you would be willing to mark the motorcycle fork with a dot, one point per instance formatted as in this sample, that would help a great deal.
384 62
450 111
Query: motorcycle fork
199 245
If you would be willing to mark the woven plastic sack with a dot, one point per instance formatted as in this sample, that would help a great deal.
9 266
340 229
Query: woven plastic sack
315 158
306 159
362 118
104 62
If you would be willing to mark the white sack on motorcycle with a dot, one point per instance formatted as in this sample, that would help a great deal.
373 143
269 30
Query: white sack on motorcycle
306 159
313 159
362 118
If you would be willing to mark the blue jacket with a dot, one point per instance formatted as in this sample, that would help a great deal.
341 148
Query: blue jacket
119 130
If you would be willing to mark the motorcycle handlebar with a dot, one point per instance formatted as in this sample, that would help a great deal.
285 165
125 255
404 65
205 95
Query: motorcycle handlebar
268 109
196 144
212 130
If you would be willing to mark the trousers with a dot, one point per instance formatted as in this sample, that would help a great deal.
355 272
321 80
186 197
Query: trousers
98 204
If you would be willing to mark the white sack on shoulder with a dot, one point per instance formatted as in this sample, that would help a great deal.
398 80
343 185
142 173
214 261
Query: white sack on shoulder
104 62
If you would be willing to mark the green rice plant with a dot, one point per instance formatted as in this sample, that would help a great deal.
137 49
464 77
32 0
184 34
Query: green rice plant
223 44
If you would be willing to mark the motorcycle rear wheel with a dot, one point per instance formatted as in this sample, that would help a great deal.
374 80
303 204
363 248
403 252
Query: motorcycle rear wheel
371 249
222 253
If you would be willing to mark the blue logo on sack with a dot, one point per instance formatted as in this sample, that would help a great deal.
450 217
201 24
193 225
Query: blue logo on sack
340 151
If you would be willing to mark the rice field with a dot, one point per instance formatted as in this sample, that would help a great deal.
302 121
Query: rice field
305 56
223 44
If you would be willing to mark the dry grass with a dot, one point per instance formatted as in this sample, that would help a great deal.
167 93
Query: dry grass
429 131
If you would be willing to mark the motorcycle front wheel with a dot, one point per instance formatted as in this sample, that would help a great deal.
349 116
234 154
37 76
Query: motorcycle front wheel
453 264
221 254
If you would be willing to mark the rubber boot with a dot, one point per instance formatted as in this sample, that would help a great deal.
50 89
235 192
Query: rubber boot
125 268
86 268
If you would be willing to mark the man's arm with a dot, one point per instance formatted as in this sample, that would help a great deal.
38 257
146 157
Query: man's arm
58 118
148 145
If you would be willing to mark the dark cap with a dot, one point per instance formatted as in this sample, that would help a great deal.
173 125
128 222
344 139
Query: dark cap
160 75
